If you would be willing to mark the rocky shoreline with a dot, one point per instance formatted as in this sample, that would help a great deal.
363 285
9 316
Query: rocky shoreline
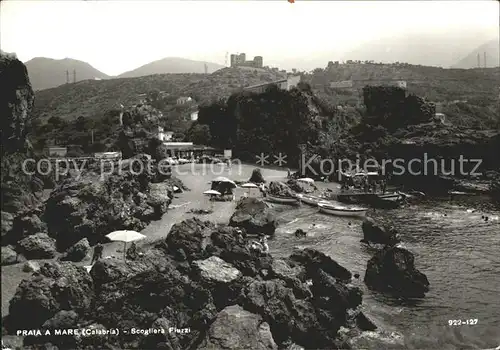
205 282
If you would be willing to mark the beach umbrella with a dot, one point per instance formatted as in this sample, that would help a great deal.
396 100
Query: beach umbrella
212 193
125 236
223 179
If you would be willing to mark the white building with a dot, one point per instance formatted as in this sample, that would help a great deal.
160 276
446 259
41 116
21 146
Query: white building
194 116
164 136
183 100
284 84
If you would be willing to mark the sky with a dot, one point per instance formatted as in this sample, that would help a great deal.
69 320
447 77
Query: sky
115 36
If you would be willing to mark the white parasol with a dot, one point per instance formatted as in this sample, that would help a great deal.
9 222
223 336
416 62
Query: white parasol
125 236
212 193
225 180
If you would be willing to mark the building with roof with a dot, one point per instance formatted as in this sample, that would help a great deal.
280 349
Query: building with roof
283 84
183 100
187 149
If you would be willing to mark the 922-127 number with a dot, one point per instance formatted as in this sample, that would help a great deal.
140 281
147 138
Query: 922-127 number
469 322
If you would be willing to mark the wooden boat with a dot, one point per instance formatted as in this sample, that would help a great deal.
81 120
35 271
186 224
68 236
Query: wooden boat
308 199
281 199
355 197
337 210
394 197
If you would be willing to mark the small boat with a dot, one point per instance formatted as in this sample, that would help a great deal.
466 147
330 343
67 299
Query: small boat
395 197
311 200
280 199
337 210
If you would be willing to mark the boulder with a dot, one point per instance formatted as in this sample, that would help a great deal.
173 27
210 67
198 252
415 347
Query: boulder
254 216
281 269
56 287
289 318
280 189
236 328
38 246
113 270
77 252
257 177
215 271
192 236
229 244
7 223
313 260
376 232
392 270
90 208
29 224
9 256
31 266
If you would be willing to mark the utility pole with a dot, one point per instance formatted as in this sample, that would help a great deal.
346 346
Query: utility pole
478 61
67 77
92 136
484 59
74 75
206 69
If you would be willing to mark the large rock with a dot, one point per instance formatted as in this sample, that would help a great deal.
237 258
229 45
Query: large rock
16 103
31 266
393 270
7 223
91 207
375 232
189 238
280 189
56 287
78 251
9 256
254 215
313 260
236 328
38 246
215 271
257 177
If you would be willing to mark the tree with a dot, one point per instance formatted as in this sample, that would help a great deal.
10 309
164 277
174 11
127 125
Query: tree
199 134
80 123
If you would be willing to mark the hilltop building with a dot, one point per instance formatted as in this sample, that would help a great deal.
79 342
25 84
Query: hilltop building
283 84
183 100
241 61
56 151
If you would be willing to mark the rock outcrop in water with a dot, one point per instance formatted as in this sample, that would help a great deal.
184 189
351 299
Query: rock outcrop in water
392 270
254 216
224 294
376 232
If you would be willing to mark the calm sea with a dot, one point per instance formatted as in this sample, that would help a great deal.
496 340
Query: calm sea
457 250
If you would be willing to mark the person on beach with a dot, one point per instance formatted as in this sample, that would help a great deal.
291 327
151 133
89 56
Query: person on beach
288 173
97 253
384 186
265 246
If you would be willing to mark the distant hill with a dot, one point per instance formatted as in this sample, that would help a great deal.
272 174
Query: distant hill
171 65
492 50
433 49
45 73
92 98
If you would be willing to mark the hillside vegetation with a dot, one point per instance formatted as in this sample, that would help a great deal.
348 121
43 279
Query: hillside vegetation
92 98
171 65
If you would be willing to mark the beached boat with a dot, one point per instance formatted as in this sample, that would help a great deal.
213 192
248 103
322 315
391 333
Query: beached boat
308 199
281 199
337 210
394 197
